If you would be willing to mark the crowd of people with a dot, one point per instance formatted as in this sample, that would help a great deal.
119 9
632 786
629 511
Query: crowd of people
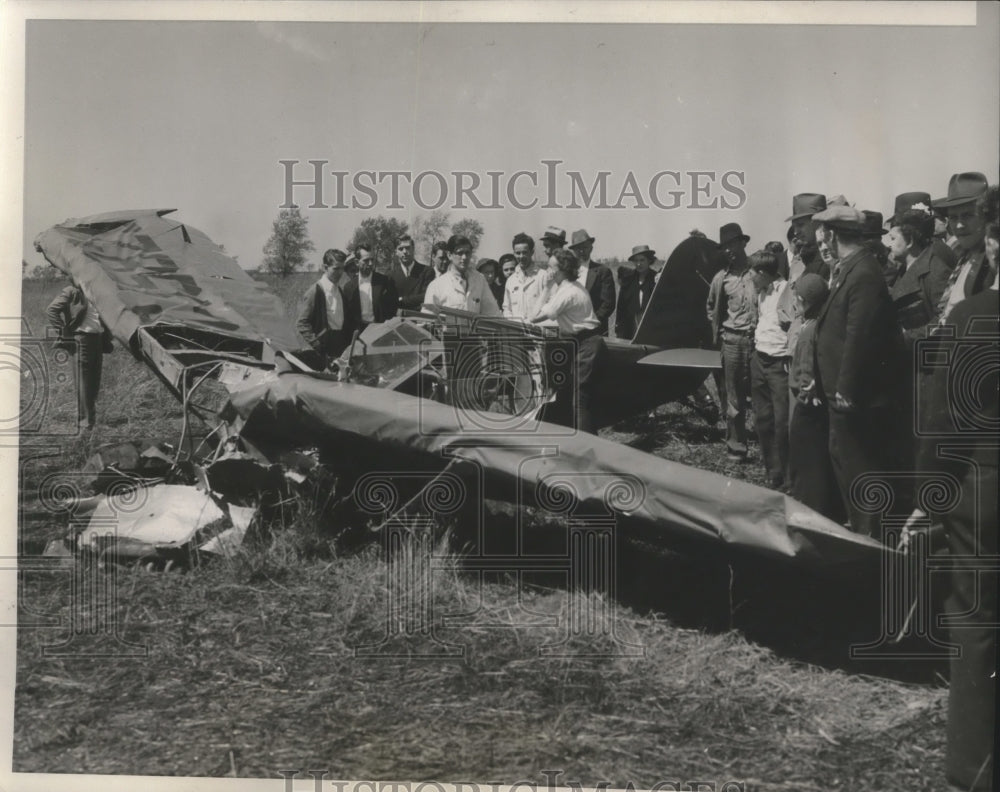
834 343
848 346
818 340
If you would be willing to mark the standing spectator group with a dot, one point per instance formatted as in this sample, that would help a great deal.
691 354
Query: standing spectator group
889 356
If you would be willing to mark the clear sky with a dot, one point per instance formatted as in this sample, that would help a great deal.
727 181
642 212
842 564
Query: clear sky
197 115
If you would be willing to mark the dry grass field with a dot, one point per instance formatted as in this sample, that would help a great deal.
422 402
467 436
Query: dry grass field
248 666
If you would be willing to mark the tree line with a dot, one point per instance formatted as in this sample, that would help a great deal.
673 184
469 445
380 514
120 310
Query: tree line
286 250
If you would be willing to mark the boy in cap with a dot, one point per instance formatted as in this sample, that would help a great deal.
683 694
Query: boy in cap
810 473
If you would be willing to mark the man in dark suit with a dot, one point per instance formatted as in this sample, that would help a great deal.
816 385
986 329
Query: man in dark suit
859 361
806 258
973 272
373 293
596 278
410 277
76 319
327 320
636 288
959 406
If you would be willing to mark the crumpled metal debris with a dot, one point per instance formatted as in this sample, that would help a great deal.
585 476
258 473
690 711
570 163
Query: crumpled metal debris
167 521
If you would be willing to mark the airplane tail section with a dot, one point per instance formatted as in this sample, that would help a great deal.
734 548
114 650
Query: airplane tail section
675 315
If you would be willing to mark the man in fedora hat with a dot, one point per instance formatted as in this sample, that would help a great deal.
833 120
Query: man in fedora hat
874 231
552 239
858 361
972 273
804 206
732 314
806 259
596 278
636 288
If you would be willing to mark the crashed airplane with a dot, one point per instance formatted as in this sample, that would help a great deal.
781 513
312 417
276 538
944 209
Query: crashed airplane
408 397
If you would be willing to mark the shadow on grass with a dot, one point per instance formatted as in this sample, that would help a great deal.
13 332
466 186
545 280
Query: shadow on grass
800 613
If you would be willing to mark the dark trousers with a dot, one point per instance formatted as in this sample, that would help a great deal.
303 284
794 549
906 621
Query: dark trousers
971 697
769 390
861 441
736 351
810 472
90 361
572 377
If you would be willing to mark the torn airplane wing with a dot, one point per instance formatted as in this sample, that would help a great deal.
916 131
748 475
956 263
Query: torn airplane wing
170 294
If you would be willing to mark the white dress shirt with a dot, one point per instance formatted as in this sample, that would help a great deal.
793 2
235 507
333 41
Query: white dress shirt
365 292
571 308
769 338
526 291
334 304
469 294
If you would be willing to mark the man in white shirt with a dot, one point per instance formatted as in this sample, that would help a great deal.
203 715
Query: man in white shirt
769 369
461 287
527 289
569 306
